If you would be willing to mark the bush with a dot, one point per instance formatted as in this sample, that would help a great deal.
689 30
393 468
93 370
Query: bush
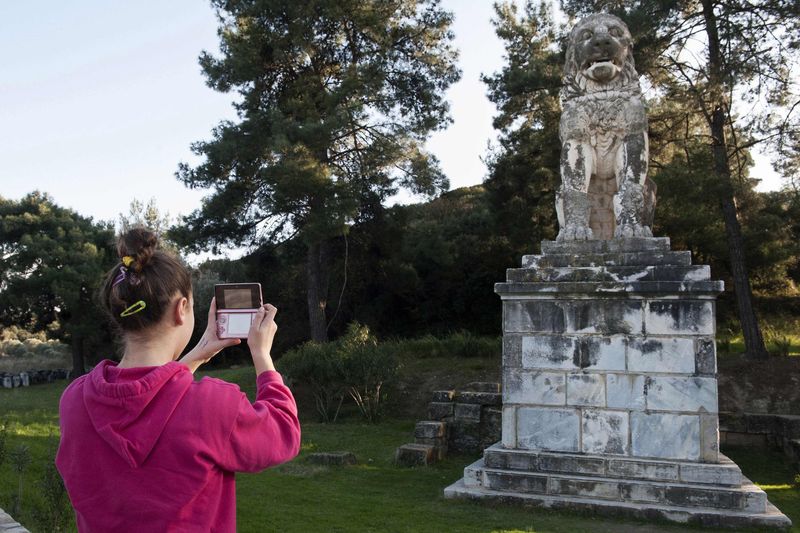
314 364
365 368
355 365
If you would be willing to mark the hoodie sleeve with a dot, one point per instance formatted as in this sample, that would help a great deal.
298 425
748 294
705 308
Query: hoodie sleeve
266 432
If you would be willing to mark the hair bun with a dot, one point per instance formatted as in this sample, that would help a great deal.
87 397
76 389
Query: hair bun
139 243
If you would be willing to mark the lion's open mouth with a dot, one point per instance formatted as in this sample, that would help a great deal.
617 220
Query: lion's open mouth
592 62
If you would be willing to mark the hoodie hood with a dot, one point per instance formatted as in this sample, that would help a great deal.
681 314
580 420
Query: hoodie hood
129 407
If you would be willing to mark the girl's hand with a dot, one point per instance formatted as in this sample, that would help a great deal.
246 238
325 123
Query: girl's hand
209 344
260 337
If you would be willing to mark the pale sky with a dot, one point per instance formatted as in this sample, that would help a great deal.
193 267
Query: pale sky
100 101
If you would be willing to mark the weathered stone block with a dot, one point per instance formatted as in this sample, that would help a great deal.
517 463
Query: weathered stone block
469 412
758 423
595 246
755 501
549 351
509 436
548 429
679 317
625 391
607 490
429 429
473 475
709 438
665 435
492 424
643 470
439 410
571 464
705 356
440 443
511 460
677 393
414 455
601 353
681 273
443 396
586 389
642 492
606 316
512 351
542 388
790 426
507 481
464 436
332 458
604 432
710 474
696 497
530 316
654 354
480 398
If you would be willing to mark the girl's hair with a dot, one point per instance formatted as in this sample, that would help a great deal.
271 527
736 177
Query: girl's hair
145 274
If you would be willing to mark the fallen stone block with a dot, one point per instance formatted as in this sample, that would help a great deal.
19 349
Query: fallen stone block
414 455
332 458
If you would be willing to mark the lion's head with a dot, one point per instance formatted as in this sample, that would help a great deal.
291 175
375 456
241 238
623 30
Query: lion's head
599 56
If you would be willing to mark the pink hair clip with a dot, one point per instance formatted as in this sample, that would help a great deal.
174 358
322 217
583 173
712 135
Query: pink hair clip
120 277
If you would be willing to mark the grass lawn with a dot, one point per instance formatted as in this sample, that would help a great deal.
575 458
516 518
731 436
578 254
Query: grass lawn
373 496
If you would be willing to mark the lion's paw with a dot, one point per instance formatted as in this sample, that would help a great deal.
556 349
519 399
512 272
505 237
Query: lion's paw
574 233
632 230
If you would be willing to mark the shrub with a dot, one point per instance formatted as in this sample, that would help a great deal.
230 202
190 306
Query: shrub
777 342
365 368
315 365
355 365
55 513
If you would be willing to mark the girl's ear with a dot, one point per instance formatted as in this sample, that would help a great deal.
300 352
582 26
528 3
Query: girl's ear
181 311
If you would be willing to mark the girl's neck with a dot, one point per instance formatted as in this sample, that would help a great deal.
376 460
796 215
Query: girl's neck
154 350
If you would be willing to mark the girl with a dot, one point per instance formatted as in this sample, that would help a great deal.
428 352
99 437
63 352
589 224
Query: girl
145 447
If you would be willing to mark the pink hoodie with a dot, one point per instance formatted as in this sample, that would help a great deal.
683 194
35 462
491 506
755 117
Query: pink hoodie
150 449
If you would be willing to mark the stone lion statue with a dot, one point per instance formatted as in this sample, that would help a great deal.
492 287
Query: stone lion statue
604 187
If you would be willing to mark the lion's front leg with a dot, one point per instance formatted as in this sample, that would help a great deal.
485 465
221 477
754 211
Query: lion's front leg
572 199
631 171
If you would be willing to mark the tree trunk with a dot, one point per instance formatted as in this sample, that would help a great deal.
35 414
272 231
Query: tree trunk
78 367
753 340
317 270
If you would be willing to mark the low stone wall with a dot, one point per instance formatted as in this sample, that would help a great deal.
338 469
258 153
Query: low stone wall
465 420
9 380
764 430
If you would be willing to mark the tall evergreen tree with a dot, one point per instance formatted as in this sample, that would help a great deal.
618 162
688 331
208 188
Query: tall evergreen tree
523 169
51 263
336 98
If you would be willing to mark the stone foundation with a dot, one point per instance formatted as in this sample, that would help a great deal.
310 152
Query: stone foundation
610 390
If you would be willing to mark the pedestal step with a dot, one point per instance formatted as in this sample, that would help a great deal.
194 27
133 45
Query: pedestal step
746 497
677 258
606 466
705 516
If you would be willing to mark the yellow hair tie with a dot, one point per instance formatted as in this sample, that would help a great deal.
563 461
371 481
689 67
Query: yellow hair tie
127 260
133 309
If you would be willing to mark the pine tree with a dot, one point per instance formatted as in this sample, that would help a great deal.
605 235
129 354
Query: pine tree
336 98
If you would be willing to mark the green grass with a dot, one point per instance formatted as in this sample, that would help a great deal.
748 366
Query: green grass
372 496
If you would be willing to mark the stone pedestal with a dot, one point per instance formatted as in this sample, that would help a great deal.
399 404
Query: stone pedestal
610 390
